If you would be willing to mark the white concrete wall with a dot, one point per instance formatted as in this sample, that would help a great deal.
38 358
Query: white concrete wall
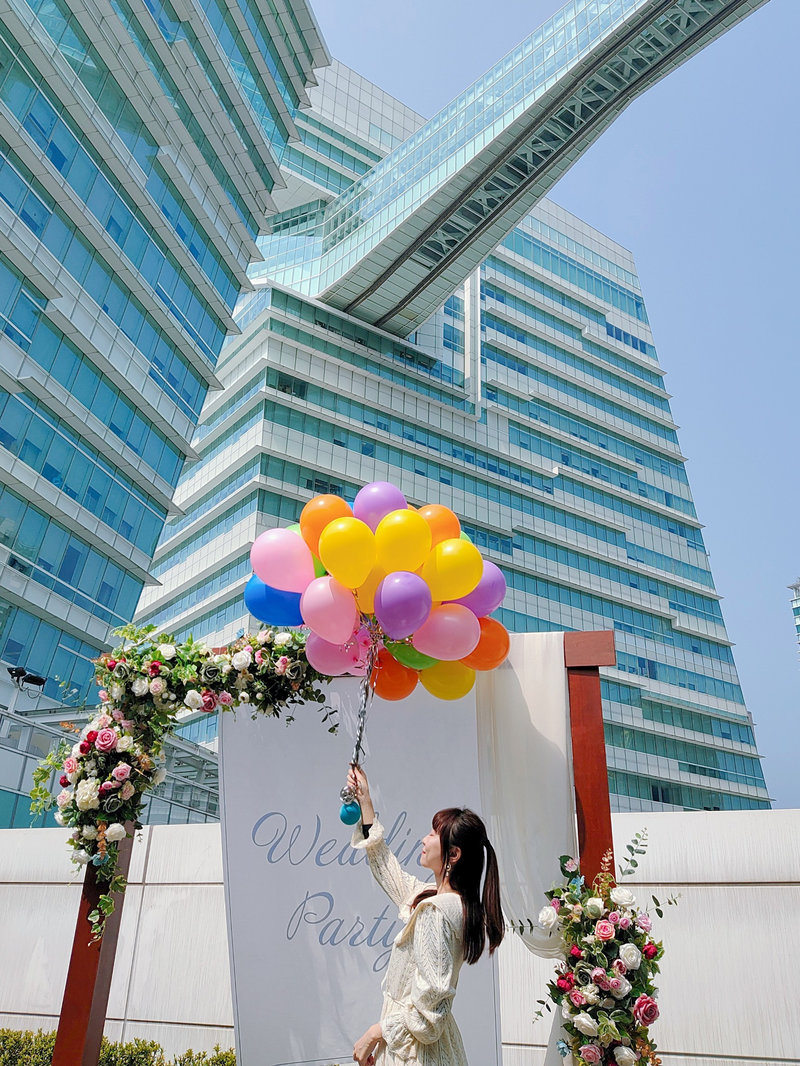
728 987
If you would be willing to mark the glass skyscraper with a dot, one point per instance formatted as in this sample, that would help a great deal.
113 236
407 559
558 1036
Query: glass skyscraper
175 173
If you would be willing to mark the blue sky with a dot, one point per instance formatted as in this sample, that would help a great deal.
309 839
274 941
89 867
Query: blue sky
699 179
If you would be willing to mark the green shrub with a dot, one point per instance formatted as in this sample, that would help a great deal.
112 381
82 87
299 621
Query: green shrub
36 1049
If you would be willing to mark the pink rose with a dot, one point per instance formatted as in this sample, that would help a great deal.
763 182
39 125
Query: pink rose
116 715
106 740
259 656
225 698
209 700
555 903
126 791
577 998
645 1010
103 721
103 695
127 724
121 772
600 978
157 686
604 930
570 866
614 984
619 966
644 922
590 1053
614 917
624 922
63 798
281 664
106 787
70 765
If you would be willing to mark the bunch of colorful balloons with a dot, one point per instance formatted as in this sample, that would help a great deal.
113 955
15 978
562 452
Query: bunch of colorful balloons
407 583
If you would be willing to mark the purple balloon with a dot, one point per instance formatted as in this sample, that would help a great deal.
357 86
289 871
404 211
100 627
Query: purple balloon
402 604
488 593
376 500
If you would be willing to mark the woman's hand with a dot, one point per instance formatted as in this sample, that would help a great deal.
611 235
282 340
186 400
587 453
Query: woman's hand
357 782
364 1047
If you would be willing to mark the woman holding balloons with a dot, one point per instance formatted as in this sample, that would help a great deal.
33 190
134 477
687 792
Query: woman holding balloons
445 924
382 581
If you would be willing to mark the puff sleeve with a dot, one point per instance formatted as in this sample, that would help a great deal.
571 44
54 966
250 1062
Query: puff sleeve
421 1019
401 887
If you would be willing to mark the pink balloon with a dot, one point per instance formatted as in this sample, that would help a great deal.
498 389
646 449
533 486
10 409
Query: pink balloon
451 632
327 658
329 609
282 560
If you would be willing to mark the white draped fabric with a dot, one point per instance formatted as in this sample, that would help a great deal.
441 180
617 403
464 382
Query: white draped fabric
525 766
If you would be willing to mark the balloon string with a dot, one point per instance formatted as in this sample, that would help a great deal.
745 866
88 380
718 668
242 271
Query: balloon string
366 698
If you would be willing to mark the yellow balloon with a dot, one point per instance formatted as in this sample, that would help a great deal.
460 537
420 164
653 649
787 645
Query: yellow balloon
452 569
402 540
365 593
448 680
347 551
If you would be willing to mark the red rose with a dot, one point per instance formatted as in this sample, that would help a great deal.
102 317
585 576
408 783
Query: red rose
650 950
91 736
111 664
566 982
575 952
84 747
645 1010
155 668
63 781
209 700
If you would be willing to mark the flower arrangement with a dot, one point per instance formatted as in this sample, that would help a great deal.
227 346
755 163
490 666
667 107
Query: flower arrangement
604 988
145 684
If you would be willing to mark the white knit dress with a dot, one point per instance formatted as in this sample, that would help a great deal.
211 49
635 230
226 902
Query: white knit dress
420 982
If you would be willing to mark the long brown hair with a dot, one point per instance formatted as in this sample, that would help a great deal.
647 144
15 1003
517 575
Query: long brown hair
483 919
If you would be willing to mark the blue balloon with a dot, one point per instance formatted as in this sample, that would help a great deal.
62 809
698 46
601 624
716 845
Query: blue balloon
273 606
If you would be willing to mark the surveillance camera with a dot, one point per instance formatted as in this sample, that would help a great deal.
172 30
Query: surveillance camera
17 672
34 679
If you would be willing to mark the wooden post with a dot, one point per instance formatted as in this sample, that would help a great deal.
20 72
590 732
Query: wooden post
584 653
91 965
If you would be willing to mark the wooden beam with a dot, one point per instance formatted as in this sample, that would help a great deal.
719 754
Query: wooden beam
91 965
584 654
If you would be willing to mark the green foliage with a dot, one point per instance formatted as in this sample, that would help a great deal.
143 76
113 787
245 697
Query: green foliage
41 797
36 1049
638 846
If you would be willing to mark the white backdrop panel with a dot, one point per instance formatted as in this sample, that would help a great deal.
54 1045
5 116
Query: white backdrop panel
310 931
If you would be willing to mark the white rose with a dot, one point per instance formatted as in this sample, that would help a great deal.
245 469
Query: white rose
625 1056
125 743
594 907
117 691
585 1024
631 956
623 990
89 832
566 1012
140 686
166 651
590 994
547 917
282 639
193 699
623 897
115 832
86 795
76 751
59 818
242 659
90 767
159 776
81 856
244 697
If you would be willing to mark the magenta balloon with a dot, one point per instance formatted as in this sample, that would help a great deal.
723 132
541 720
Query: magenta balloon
451 632
488 593
376 500
329 609
282 560
402 603
327 658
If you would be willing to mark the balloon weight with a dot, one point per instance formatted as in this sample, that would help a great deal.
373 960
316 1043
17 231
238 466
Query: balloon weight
349 813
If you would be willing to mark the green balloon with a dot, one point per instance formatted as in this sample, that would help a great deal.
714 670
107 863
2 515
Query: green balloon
319 569
466 537
408 655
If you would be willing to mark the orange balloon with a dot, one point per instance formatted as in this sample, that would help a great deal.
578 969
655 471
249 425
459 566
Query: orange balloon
492 648
443 522
390 679
317 513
